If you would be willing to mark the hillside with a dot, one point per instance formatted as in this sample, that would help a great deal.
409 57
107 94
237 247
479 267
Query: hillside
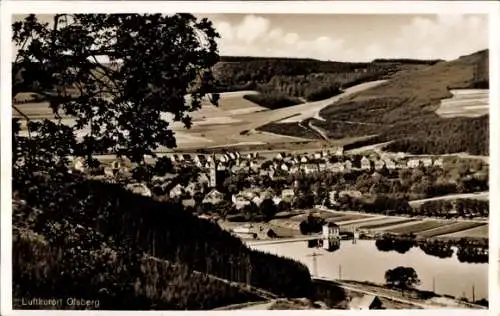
98 239
403 110
286 81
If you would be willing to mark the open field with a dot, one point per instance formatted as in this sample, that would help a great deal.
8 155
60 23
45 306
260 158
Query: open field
448 229
477 232
468 102
334 217
313 108
369 221
417 227
233 122
483 196
386 224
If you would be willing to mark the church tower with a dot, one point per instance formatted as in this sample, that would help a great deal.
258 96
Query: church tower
213 172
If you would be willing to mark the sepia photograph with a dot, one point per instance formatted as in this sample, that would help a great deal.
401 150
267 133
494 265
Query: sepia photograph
249 161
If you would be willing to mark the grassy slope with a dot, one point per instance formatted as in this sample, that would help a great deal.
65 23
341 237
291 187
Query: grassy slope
406 105
404 109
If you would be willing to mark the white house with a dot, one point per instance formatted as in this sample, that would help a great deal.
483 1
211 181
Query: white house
109 172
427 162
304 159
139 188
263 172
294 169
413 163
330 235
438 162
379 164
310 168
176 191
351 193
254 165
401 165
78 164
240 201
317 156
287 193
366 163
203 178
213 197
277 200
284 167
257 200
390 164
192 188
338 167
348 165
339 150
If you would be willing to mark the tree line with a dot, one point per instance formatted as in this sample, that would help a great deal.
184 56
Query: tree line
468 251
110 229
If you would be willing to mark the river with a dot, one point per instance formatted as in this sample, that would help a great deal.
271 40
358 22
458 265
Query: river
364 262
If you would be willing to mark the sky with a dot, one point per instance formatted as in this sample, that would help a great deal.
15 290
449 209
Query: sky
349 37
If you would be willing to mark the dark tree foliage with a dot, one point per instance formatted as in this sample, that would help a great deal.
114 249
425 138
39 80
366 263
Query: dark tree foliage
146 227
437 248
114 74
268 209
471 254
441 136
402 277
465 208
312 224
468 250
291 129
401 244
272 100
330 293
408 61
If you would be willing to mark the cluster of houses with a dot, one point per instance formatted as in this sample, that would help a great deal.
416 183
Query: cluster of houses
282 164
288 163
319 162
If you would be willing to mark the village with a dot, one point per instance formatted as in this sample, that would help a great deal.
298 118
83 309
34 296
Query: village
235 189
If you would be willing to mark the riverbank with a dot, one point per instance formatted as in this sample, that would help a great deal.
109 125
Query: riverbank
415 295
371 226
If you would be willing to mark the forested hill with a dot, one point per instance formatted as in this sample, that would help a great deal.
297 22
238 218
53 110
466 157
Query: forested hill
287 81
95 241
404 110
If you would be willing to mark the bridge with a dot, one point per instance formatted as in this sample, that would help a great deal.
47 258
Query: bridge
282 240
